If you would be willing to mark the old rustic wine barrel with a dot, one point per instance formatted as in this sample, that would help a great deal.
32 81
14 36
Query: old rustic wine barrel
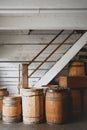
77 68
76 103
11 109
33 106
57 106
3 92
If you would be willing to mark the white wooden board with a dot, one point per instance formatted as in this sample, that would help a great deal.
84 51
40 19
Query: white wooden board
40 4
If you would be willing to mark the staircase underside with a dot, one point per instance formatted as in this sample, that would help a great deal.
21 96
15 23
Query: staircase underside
62 62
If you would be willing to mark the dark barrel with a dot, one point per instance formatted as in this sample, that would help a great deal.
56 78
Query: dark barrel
58 105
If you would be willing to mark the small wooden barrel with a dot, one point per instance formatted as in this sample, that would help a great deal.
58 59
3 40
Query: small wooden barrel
58 106
76 103
3 92
77 68
33 106
11 109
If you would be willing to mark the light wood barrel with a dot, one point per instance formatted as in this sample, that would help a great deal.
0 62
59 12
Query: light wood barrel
76 103
3 92
33 106
11 109
77 68
57 106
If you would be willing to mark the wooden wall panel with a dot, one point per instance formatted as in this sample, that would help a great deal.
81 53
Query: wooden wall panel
9 74
40 4
34 39
26 53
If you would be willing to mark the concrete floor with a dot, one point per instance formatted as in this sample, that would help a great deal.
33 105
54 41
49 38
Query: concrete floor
80 124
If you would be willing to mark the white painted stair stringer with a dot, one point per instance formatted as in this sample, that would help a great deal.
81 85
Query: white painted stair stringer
60 64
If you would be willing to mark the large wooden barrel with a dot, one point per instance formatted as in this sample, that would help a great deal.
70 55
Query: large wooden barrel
3 92
76 103
77 68
58 106
33 106
11 109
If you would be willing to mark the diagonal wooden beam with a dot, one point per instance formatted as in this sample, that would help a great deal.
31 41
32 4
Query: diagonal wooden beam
63 61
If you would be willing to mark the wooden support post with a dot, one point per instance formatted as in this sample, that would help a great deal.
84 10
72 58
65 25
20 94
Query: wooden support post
24 76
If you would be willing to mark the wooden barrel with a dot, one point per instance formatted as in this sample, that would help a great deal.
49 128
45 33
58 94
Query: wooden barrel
11 109
77 68
3 92
58 106
76 103
33 106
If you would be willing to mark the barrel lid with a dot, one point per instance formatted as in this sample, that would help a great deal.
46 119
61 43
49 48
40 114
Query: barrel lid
60 89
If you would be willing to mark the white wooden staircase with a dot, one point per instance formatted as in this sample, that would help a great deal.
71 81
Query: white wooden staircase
46 51
63 61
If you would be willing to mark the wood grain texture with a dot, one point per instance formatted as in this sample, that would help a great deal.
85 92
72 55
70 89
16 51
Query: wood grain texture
73 81
76 103
47 4
57 107
33 106
24 76
12 109
77 68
